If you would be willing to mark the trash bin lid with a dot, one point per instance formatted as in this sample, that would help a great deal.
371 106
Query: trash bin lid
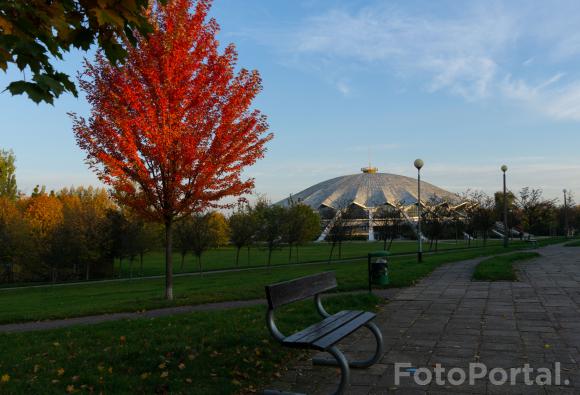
378 254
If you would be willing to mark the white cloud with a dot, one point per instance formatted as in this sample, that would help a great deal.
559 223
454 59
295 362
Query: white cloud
480 51
558 101
458 54
343 87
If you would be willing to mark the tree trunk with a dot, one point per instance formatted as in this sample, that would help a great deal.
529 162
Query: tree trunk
340 250
270 248
199 264
238 256
88 271
131 260
120 267
331 251
391 243
297 254
168 260
290 253
141 263
248 255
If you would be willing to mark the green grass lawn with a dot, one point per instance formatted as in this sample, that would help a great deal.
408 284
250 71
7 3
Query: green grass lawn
575 243
225 257
221 352
29 304
500 268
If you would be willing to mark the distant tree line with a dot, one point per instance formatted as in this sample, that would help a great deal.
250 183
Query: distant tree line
81 233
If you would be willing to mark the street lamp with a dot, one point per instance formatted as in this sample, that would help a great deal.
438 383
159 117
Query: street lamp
565 213
505 213
418 165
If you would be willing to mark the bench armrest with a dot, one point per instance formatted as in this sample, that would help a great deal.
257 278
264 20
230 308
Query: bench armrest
319 307
274 331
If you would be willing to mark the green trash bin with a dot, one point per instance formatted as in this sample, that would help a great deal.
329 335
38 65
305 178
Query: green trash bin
378 268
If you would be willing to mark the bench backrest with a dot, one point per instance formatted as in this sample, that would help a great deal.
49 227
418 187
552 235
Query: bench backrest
301 288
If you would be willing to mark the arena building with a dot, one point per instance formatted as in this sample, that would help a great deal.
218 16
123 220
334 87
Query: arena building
369 200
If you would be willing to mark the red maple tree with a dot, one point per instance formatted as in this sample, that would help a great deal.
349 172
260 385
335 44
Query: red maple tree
171 129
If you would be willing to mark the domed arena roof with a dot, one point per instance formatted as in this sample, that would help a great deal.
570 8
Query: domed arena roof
368 189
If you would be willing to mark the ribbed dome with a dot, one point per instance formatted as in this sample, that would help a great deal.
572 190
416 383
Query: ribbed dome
368 190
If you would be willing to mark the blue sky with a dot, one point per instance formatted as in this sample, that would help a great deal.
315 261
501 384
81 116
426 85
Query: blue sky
466 86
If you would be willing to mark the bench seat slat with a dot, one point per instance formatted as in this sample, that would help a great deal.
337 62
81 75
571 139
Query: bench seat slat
330 328
316 327
329 331
343 331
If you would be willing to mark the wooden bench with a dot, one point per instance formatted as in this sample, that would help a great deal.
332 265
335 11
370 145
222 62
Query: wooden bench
323 335
533 241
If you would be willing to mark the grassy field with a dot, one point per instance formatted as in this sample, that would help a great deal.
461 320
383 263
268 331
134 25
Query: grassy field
29 304
197 353
500 268
575 243
225 257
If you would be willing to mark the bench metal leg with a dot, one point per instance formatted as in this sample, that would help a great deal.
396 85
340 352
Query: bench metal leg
360 364
341 361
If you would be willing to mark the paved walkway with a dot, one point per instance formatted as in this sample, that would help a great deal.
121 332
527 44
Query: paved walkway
451 320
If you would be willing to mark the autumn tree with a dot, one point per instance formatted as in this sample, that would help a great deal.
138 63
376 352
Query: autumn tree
172 129
43 214
8 186
14 239
538 214
219 225
82 238
34 33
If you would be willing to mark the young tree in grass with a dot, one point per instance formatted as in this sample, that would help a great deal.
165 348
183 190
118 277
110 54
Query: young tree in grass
387 223
171 129
147 240
483 214
182 235
302 226
243 229
340 227
271 225
204 235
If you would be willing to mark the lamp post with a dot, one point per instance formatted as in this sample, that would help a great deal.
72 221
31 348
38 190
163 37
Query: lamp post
505 211
418 165
565 213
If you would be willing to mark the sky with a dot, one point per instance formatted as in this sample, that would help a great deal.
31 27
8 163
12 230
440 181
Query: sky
466 86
